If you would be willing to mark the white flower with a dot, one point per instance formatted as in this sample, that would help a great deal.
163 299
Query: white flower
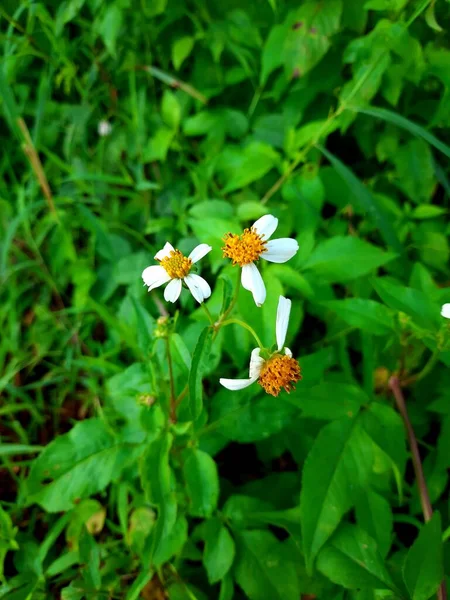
254 244
104 128
279 370
445 311
175 268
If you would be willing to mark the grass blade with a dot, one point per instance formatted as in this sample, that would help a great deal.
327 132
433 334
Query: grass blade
366 201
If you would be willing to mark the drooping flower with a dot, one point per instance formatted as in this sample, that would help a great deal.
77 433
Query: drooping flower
445 311
280 369
175 268
246 249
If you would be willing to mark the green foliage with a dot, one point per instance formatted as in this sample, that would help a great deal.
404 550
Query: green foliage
128 471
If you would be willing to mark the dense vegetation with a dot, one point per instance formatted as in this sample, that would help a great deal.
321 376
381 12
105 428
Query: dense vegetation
127 470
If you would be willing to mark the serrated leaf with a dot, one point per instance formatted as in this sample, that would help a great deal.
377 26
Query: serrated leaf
351 559
261 569
340 259
423 570
202 483
75 465
219 551
341 456
199 362
366 315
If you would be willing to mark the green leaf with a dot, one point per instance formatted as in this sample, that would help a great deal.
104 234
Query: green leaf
75 465
181 49
110 26
367 315
219 551
366 200
374 515
263 567
170 110
158 483
414 128
408 300
342 458
423 570
240 167
351 559
419 185
7 537
385 428
341 259
199 363
202 483
12 449
329 400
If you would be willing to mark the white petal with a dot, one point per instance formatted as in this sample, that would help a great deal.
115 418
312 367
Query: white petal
445 311
236 384
198 287
199 252
282 322
256 363
155 276
173 290
280 251
266 225
288 352
164 252
251 280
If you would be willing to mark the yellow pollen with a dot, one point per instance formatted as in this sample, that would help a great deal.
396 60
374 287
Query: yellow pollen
245 248
176 264
280 371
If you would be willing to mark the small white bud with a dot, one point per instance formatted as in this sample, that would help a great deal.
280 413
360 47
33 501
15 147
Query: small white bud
104 128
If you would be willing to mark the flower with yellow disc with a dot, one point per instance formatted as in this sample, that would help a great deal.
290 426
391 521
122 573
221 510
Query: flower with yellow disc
175 268
246 249
279 370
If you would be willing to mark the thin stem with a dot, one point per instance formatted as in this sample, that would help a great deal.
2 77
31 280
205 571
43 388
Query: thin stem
424 372
173 404
232 303
394 384
208 314
245 326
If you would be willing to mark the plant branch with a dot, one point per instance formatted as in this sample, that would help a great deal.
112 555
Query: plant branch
394 385
173 400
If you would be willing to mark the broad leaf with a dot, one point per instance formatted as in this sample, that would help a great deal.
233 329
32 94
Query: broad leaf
76 465
202 483
423 570
198 366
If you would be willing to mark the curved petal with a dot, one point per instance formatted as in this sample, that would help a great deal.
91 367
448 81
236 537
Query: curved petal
164 252
445 311
282 322
198 287
265 226
288 352
173 290
199 252
155 276
251 280
236 384
256 363
280 251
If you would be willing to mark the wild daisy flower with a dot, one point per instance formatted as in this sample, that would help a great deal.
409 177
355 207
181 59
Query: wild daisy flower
175 268
279 369
445 311
245 249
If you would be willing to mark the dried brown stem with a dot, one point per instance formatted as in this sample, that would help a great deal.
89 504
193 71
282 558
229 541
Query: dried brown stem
36 164
394 385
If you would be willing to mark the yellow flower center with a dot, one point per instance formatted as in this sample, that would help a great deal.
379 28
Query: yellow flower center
245 248
176 264
280 371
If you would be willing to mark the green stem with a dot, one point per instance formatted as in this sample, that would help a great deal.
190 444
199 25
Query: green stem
232 303
173 404
208 314
245 326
